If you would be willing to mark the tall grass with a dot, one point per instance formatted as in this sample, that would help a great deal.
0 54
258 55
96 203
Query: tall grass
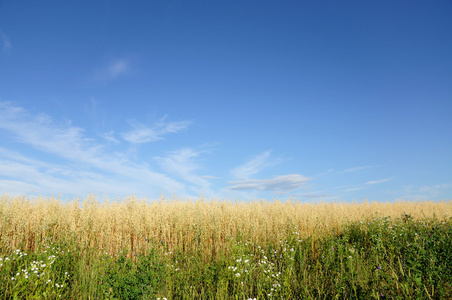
175 249
131 223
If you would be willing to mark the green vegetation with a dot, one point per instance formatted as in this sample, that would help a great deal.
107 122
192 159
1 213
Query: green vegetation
380 258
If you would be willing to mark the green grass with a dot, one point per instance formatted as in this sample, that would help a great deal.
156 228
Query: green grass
376 259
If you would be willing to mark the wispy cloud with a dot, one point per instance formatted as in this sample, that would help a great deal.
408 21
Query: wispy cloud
434 190
379 181
355 169
117 68
29 175
39 132
332 172
45 178
14 156
17 187
114 69
425 192
279 184
354 189
313 196
254 166
210 177
87 155
110 136
182 163
5 43
144 134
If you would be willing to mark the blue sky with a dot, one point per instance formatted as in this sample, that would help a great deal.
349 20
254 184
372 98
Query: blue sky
309 100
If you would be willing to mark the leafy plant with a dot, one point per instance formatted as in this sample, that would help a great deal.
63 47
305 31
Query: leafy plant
128 279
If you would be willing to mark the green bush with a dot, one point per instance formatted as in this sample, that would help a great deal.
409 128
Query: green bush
127 279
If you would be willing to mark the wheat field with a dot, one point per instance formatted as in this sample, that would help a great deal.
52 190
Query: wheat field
129 224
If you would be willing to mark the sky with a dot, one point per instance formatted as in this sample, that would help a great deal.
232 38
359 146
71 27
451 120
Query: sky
239 100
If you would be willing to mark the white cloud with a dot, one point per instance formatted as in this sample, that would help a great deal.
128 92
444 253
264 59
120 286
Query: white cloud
434 190
38 132
379 181
26 179
182 164
112 70
14 156
281 184
356 169
313 196
179 162
354 189
109 169
144 134
253 166
210 177
5 43
16 170
16 187
117 68
425 192
110 136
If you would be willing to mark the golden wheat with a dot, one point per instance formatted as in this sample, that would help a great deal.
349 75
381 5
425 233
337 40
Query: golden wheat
130 224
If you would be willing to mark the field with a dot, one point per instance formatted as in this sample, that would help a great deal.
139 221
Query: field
207 249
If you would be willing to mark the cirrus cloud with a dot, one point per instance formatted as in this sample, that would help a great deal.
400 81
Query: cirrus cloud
83 162
114 69
280 184
144 134
5 43
379 181
255 165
